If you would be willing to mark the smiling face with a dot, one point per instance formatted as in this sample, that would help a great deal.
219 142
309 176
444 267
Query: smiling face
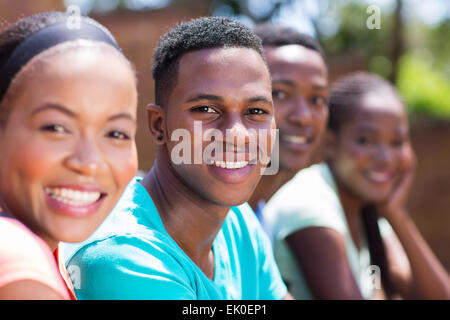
368 153
68 147
299 86
225 89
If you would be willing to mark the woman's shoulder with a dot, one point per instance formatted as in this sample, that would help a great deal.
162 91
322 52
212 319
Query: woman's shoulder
308 186
19 245
25 256
14 234
307 200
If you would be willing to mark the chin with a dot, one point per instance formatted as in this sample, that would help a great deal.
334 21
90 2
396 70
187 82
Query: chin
75 233
294 164
236 203
73 237
231 201
376 198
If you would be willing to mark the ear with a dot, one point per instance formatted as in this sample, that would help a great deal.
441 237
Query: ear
156 123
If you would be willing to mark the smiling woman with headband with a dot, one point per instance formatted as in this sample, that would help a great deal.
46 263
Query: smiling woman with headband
67 127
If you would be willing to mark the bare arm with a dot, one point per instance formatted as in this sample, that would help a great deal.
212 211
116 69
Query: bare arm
322 255
423 277
426 278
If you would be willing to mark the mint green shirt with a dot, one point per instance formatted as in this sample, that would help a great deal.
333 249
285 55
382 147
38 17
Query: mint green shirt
310 199
131 256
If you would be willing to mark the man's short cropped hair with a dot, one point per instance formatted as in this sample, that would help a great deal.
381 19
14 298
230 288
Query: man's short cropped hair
278 35
196 34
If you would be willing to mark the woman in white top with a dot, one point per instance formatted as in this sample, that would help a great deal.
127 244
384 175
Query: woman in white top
330 242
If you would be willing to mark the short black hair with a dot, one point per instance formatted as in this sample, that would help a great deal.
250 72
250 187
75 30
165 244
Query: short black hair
277 35
346 93
196 34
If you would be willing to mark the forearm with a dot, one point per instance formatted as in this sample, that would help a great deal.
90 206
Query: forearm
429 278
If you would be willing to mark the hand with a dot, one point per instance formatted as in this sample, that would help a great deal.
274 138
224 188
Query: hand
396 202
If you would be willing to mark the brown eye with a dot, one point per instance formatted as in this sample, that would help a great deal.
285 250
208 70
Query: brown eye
363 141
318 100
278 94
204 109
397 143
257 111
119 135
57 128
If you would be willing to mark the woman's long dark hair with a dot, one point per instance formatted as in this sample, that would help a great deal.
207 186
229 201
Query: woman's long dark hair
345 97
377 249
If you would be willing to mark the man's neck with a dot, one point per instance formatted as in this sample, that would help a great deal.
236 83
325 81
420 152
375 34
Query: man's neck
268 185
193 222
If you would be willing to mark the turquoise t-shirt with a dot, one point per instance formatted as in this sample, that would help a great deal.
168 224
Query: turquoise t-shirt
310 199
131 256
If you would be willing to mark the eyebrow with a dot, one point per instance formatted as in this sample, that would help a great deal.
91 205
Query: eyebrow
283 81
205 97
291 83
122 116
366 128
70 113
220 99
261 99
54 106
320 87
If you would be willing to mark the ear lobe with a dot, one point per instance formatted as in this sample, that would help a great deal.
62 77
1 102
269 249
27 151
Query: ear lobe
156 123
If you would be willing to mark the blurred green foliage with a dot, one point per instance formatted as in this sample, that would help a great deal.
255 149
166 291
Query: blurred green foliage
421 67
352 34
425 89
414 55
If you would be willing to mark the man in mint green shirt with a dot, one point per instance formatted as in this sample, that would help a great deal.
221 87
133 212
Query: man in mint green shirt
185 230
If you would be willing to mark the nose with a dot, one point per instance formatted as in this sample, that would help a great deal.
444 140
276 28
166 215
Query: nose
300 113
384 155
86 158
236 133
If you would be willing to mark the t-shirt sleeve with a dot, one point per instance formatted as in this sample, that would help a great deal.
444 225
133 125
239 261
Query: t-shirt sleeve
271 285
287 217
129 267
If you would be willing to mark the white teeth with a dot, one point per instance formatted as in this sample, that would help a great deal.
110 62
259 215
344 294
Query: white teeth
379 176
295 139
231 165
73 197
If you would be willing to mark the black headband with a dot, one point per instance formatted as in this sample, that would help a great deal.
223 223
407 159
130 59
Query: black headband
44 39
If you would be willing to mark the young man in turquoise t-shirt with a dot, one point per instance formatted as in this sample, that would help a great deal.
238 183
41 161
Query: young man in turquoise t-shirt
184 231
